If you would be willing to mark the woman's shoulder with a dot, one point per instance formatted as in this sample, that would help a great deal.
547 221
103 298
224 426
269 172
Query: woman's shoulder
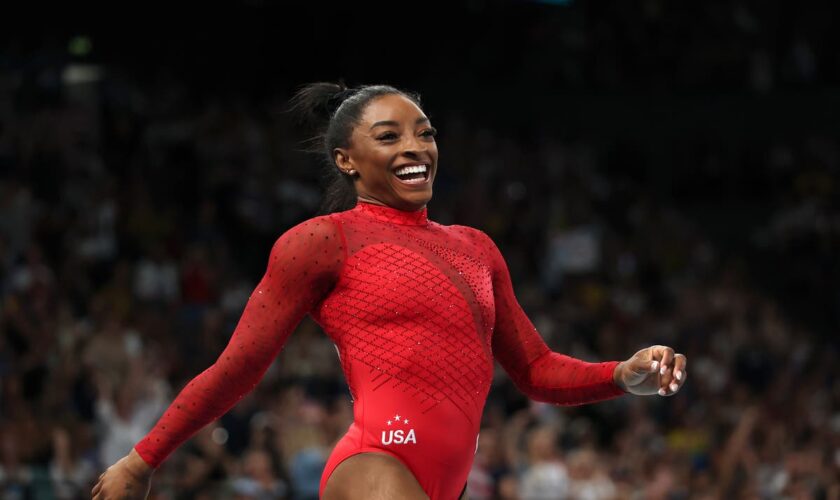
475 241
469 232
318 232
316 225
316 242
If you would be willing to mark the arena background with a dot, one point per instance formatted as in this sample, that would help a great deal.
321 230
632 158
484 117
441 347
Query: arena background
654 172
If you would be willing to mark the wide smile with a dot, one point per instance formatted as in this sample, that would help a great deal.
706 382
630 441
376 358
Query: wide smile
413 174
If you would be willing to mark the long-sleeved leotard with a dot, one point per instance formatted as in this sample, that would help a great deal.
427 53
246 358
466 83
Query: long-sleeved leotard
418 311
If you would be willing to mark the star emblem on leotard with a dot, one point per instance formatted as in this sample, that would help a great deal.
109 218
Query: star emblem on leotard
397 419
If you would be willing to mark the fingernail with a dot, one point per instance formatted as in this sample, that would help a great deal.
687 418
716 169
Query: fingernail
662 371
661 392
679 375
674 387
654 365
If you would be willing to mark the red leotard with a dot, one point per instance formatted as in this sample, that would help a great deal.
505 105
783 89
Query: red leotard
418 311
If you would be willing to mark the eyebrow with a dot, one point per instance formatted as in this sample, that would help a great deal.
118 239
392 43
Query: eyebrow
393 123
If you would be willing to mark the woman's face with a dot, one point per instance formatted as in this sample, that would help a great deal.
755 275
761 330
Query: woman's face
393 152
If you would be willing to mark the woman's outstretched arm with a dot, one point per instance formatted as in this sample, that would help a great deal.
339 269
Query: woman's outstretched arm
303 267
537 371
552 377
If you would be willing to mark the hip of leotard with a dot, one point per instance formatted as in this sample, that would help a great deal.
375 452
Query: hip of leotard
433 436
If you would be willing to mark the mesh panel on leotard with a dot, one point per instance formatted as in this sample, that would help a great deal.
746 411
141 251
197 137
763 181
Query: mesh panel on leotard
411 312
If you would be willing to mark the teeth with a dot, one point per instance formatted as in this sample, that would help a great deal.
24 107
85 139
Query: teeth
414 169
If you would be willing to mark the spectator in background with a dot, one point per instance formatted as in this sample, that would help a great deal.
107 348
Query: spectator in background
258 480
15 476
545 475
70 473
156 277
125 411
589 479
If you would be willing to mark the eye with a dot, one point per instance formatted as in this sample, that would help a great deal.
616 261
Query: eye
429 132
387 136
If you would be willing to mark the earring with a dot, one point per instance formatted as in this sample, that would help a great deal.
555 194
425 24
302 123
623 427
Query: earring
351 172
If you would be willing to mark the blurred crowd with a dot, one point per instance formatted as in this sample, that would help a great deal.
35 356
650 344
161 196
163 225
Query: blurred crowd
135 219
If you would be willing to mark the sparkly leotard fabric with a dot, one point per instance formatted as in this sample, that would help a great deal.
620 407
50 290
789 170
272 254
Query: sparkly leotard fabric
418 311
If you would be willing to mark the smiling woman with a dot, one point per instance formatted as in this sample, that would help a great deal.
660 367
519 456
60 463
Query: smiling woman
380 140
392 154
419 312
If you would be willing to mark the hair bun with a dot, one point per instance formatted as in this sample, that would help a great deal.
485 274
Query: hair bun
314 104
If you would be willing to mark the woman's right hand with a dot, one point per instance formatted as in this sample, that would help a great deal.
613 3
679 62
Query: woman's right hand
130 479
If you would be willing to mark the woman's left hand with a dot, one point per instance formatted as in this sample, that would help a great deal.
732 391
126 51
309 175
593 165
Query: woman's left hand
654 370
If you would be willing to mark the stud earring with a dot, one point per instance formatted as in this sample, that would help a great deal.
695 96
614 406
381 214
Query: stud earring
351 172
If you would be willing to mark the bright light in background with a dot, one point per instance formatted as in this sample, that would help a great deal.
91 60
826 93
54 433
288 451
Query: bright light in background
79 74
80 46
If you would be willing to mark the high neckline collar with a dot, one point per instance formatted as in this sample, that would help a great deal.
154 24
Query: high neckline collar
385 213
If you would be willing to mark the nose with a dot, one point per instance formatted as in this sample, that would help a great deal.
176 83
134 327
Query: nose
414 147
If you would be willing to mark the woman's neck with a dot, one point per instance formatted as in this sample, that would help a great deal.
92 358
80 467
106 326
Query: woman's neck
374 201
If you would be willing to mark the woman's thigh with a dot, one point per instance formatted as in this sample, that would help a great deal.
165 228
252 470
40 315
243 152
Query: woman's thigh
372 476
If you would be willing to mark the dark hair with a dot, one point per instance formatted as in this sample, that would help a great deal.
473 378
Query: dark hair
333 109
